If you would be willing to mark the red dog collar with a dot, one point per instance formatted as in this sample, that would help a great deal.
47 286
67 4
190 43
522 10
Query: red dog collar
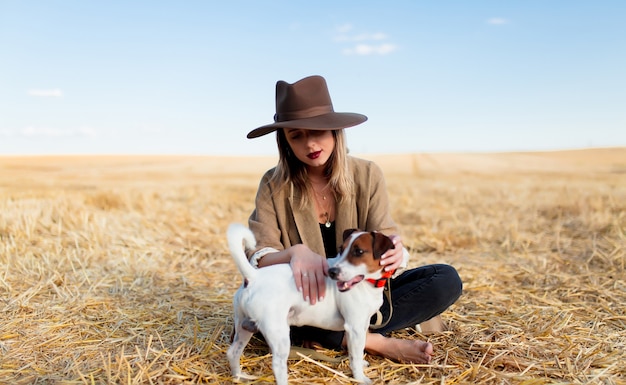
380 282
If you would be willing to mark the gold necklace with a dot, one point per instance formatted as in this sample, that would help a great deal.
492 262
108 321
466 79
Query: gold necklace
326 214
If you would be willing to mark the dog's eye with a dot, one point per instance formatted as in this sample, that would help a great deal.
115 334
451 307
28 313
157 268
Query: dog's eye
357 252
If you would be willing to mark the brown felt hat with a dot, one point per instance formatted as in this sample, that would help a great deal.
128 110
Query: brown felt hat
306 104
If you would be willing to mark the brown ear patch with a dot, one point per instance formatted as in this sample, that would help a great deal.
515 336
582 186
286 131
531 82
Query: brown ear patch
381 243
348 232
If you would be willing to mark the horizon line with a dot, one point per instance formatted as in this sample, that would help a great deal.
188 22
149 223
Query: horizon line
164 154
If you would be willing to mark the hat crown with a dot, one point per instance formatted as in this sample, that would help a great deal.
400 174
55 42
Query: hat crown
306 105
303 99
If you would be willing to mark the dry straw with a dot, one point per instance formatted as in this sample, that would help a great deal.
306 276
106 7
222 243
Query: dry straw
116 270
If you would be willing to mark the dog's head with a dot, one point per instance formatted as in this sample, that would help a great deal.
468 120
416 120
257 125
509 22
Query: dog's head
359 257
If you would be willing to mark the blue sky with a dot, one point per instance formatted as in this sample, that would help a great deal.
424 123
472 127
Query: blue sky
193 77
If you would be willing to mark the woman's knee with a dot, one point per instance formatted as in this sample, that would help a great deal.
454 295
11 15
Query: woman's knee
450 282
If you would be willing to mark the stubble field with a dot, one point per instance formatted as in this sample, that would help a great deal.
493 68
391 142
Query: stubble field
116 269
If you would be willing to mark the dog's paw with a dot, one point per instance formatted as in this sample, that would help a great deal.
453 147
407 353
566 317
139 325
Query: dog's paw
364 380
361 378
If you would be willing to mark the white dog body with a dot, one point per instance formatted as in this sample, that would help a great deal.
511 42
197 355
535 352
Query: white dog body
269 301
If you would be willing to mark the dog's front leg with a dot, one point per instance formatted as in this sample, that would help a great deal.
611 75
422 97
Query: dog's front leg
356 335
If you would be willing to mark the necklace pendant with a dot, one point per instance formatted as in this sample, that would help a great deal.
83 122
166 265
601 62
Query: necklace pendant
327 224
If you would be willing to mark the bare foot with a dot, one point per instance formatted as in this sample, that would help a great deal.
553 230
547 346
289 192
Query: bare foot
399 350
314 345
433 325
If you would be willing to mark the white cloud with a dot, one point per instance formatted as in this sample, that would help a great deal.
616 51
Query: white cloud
366 43
361 37
43 93
344 28
497 21
46 132
370 49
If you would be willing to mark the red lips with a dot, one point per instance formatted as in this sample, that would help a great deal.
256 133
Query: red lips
314 155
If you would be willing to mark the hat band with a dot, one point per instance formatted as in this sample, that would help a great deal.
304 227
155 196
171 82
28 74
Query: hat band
303 114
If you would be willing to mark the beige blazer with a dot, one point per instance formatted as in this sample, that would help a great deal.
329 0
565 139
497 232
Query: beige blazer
278 223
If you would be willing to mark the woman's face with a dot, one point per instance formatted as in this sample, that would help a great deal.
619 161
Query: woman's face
311 147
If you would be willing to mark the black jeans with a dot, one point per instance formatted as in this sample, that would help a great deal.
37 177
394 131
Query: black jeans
417 295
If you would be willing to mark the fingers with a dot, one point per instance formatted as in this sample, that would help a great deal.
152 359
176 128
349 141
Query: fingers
310 282
393 266
321 286
325 266
309 271
298 278
392 259
313 286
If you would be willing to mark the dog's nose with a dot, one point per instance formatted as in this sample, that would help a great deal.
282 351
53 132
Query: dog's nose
333 272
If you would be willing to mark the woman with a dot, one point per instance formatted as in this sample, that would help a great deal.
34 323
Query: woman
315 192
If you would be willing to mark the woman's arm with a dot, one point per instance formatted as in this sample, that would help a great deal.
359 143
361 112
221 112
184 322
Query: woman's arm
309 270
283 256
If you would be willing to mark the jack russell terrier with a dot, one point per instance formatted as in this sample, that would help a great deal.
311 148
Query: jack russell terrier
269 302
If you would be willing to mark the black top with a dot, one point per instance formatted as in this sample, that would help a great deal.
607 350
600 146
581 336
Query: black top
330 240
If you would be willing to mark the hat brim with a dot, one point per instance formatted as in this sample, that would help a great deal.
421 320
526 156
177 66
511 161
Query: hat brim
330 121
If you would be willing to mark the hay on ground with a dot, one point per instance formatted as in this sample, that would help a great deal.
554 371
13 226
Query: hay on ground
116 270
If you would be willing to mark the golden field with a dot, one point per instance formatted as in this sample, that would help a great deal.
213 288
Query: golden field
115 269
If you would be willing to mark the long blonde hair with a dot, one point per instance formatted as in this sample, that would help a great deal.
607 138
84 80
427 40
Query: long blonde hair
291 172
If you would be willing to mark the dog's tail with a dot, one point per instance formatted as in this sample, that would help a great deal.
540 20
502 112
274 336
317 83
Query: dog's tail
240 237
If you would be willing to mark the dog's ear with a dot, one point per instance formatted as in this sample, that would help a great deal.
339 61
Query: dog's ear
381 243
346 233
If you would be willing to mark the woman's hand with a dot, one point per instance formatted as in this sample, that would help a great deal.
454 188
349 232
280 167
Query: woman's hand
392 259
309 271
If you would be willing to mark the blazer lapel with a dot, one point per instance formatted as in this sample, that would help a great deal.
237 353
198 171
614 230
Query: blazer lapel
345 218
